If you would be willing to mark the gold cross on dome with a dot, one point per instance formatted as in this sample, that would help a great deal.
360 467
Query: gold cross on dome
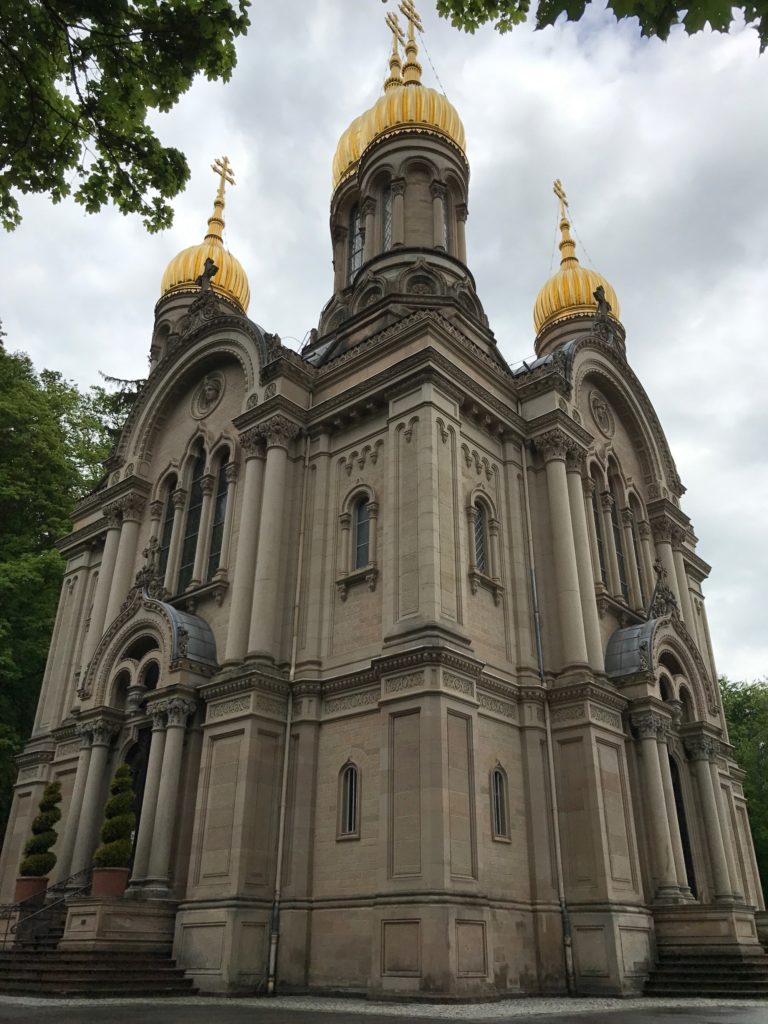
398 36
414 21
560 193
221 166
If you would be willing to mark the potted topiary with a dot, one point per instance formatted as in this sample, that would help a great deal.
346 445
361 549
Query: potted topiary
37 859
112 859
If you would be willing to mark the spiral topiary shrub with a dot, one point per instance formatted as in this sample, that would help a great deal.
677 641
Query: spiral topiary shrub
37 859
119 822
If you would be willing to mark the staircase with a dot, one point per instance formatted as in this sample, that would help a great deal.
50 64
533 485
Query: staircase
46 972
710 976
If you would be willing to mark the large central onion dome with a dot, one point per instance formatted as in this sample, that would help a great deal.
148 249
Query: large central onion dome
571 290
183 271
406 105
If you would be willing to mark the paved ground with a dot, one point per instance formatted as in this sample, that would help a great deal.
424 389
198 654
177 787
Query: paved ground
332 1011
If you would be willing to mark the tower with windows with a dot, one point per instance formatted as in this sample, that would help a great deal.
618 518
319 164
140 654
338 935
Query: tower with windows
406 647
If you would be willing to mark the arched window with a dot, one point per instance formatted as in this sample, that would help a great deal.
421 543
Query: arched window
618 540
167 528
499 803
151 675
355 243
219 515
689 715
636 517
361 536
665 688
192 523
386 212
349 801
481 537
599 534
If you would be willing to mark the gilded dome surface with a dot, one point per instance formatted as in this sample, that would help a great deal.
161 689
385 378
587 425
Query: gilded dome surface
406 104
183 271
571 290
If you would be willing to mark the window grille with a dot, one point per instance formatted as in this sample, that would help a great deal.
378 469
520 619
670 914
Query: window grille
355 242
481 538
362 534
349 801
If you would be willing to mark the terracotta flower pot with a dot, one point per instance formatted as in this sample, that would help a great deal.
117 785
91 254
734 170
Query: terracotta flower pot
109 882
28 886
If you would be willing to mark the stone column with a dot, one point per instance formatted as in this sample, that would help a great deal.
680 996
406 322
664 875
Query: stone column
278 432
251 443
662 534
461 232
398 211
368 216
179 499
373 529
149 803
494 558
125 564
553 447
609 546
647 559
671 809
588 485
700 749
64 856
231 474
726 831
439 220
574 464
681 576
93 794
345 522
208 486
103 584
178 710
630 559
155 515
339 236
648 727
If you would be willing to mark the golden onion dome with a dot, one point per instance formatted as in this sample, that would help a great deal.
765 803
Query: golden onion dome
406 104
183 272
571 290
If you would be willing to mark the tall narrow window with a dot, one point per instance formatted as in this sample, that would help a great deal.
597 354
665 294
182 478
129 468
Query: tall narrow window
386 234
499 804
619 542
349 801
481 538
599 536
355 243
361 535
636 516
192 524
167 527
444 204
219 514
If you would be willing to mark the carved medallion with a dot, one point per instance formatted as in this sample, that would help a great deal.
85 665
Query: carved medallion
601 414
208 394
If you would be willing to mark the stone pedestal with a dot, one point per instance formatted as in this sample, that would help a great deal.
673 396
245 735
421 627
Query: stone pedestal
706 929
102 924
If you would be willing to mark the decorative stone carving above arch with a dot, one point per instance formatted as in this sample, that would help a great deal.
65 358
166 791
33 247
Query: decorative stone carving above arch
421 279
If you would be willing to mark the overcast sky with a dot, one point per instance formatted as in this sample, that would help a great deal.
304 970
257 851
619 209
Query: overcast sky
662 148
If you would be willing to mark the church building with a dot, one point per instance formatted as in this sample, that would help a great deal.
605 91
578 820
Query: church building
406 648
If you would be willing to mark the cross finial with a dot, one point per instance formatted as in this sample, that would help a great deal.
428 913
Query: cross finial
221 166
398 36
411 14
560 193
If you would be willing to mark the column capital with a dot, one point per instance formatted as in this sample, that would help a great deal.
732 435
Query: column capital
252 442
373 509
368 205
398 186
231 472
606 500
85 735
339 233
644 529
178 710
662 529
589 486
554 445
112 513
575 459
278 431
102 730
462 212
649 724
627 516
156 509
207 483
678 538
702 748
438 189
179 498
132 506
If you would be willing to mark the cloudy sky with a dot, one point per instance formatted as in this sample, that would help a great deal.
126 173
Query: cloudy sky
662 148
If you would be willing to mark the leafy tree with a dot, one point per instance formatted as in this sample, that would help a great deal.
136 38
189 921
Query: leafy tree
746 711
78 79
38 859
119 822
656 19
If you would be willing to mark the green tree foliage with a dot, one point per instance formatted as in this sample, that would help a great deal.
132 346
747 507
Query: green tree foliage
746 711
119 822
37 859
53 441
655 19
78 79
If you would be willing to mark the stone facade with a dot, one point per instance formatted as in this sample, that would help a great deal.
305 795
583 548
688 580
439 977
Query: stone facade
415 676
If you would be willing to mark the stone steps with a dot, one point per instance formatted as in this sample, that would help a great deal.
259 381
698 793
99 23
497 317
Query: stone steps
711 976
94 974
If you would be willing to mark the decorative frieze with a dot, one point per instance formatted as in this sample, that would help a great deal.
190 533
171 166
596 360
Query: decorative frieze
350 701
406 682
270 705
458 683
227 708
496 706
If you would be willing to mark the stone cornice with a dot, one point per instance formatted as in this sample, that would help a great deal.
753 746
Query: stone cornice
595 692
557 420
84 537
276 406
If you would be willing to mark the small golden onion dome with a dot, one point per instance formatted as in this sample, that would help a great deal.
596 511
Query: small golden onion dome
406 104
184 270
571 290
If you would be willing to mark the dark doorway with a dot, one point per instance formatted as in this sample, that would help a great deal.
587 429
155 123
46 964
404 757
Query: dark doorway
136 759
683 825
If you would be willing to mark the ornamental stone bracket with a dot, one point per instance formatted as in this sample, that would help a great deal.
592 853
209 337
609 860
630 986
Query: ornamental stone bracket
479 579
369 574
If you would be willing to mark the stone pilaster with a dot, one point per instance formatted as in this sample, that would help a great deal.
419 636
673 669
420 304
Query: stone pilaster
439 220
626 519
132 507
461 232
252 444
574 467
208 487
398 211
609 546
